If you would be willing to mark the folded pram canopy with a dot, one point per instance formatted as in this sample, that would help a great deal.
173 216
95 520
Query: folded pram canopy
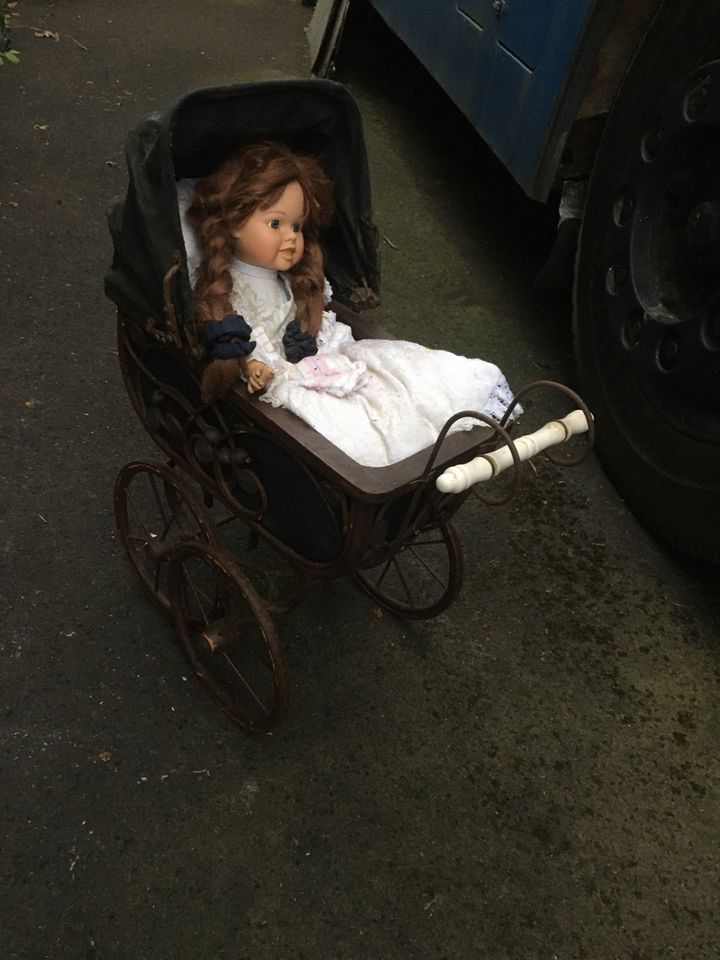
193 137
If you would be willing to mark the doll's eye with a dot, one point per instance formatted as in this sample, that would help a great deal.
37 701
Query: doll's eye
274 224
297 228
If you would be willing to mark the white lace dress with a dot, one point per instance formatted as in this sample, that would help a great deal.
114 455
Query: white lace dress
379 401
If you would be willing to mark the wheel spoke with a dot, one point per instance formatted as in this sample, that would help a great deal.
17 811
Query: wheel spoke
245 683
156 497
158 501
198 594
156 578
141 521
401 577
137 539
421 560
379 581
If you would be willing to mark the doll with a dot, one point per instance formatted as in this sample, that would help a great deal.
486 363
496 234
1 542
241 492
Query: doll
261 295
264 207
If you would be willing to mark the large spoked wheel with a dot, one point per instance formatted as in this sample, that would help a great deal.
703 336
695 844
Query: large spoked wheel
422 578
228 636
647 317
156 510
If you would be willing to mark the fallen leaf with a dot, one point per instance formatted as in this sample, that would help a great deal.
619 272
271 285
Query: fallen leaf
40 126
46 34
378 613
104 756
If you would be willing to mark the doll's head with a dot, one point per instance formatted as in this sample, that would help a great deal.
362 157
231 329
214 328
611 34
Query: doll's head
265 205
272 236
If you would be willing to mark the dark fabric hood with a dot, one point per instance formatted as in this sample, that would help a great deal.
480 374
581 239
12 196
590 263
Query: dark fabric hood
191 138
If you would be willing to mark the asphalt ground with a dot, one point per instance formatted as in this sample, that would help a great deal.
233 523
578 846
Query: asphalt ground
532 776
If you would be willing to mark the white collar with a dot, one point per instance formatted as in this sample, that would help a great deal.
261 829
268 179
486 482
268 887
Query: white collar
250 270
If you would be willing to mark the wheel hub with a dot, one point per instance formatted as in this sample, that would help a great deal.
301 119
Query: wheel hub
663 269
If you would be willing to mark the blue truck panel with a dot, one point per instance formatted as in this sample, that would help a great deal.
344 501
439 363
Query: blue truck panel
503 62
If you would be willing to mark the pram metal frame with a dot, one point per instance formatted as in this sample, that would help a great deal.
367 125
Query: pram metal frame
380 514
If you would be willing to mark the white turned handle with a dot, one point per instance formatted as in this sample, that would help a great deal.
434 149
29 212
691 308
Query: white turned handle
463 475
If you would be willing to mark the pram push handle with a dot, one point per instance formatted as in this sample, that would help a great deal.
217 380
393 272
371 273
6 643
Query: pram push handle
458 478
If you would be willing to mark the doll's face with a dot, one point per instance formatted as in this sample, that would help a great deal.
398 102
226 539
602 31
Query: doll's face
272 237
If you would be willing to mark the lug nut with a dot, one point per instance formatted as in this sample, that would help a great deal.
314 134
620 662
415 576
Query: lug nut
622 210
652 143
668 353
697 100
615 279
634 329
712 332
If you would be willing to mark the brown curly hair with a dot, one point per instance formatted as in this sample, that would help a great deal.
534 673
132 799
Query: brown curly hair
255 177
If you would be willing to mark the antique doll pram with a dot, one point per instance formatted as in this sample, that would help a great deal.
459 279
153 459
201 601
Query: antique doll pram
242 463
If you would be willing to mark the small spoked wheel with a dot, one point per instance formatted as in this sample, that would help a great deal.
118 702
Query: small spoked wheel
156 510
228 636
422 578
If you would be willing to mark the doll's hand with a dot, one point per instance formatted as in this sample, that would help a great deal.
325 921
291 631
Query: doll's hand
258 375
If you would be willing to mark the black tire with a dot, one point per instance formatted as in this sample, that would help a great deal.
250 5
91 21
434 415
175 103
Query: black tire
647 286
